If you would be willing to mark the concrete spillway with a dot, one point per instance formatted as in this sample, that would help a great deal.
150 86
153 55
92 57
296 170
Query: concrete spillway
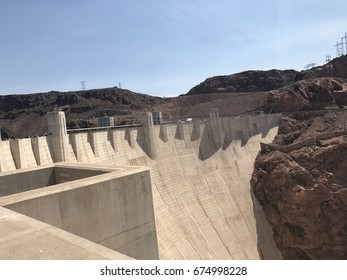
200 176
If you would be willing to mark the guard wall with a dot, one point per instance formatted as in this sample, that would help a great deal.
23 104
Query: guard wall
113 209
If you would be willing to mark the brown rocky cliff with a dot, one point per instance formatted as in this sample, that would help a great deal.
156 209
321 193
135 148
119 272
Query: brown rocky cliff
256 80
304 193
306 95
335 68
247 81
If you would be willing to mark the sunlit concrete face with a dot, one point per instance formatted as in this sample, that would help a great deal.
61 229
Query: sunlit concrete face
200 173
109 206
35 178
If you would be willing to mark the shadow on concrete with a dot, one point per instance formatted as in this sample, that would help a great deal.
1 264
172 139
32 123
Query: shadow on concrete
227 140
179 134
51 150
265 131
196 132
127 137
163 134
72 142
207 146
244 138
255 129
141 141
112 140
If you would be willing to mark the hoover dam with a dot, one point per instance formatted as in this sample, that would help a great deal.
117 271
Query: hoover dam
170 191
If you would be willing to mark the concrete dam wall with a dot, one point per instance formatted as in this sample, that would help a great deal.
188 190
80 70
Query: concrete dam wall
200 175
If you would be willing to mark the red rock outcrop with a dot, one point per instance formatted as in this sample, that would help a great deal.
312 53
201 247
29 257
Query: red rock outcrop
304 192
305 95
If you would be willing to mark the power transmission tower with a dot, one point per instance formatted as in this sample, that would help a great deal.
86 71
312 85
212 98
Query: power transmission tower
83 85
339 49
327 58
344 37
342 47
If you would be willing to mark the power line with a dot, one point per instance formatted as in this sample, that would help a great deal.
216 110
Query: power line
204 24
216 18
231 17
280 25
344 37
246 40
195 32
83 85
339 49
277 17
195 19
258 26
253 17
231 28
179 23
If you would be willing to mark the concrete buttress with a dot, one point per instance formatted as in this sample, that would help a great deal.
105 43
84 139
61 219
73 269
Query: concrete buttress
150 139
58 135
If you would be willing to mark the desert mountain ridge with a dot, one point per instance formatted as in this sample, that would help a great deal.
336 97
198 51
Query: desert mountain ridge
23 115
260 80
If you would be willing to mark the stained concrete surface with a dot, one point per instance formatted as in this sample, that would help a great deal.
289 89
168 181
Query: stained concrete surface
113 208
200 177
23 238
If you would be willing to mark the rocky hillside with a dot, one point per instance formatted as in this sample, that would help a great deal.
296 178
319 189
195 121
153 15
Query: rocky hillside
313 94
304 191
301 179
24 115
252 91
248 81
251 81
335 68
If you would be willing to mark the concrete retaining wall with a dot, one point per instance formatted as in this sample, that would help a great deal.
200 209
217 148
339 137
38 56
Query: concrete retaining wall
11 183
113 209
24 238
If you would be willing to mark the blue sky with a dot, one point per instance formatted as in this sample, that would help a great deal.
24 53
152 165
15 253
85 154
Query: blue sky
158 47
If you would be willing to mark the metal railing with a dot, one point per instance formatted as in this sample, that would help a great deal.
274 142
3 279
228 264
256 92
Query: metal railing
76 130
